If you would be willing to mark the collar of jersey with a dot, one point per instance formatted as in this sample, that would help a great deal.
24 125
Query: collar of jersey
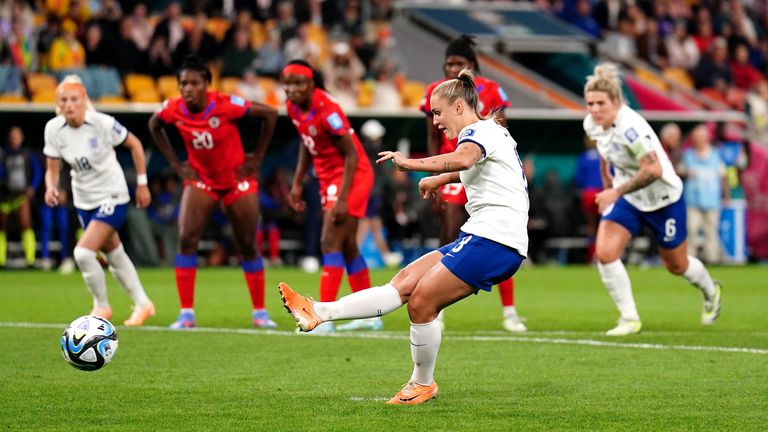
199 116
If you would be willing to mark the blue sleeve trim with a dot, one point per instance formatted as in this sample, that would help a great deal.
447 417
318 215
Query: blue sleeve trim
482 147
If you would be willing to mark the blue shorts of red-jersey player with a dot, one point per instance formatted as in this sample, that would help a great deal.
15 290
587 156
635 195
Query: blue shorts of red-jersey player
357 199
244 187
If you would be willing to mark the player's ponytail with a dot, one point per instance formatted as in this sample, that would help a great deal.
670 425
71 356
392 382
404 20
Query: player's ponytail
605 79
463 87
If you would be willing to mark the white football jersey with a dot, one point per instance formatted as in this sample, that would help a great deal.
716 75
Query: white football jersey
497 191
629 138
97 177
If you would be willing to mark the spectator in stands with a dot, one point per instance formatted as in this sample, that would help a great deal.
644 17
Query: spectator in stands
243 22
131 58
386 95
301 47
343 61
651 47
683 52
587 179
170 26
249 87
366 51
159 57
742 23
671 137
706 191
607 14
382 10
620 44
197 41
757 108
581 17
66 53
743 74
664 18
285 21
713 71
46 35
704 36
21 48
20 175
238 56
351 17
98 50
141 28
269 57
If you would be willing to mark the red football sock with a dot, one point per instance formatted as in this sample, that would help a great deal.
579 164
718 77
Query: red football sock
507 292
273 236
330 282
255 281
185 284
360 280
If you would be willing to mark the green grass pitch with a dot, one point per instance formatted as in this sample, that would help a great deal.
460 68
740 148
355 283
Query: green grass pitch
562 375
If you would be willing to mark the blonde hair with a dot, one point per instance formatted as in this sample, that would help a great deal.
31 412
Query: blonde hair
605 79
74 81
463 87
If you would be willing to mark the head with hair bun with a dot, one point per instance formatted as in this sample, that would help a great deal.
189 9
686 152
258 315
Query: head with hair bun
455 104
602 93
72 100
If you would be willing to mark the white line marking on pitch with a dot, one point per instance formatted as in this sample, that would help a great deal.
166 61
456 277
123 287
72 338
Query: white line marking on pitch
404 336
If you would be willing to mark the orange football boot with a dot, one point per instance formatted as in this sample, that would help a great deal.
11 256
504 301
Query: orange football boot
300 307
140 314
414 393
102 312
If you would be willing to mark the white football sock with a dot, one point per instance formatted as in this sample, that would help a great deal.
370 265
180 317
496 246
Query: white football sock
123 270
509 312
368 303
698 275
93 275
616 280
425 342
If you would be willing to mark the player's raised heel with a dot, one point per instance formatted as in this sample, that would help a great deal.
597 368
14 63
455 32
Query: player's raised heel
186 320
625 328
414 393
300 307
712 306
140 314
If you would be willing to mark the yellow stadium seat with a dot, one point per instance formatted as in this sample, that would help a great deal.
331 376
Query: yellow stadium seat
168 86
679 76
365 94
147 96
267 84
137 83
217 27
229 85
12 98
258 34
651 78
40 81
412 93
44 96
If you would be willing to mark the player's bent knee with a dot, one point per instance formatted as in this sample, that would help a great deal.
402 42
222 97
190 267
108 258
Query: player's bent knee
421 309
676 268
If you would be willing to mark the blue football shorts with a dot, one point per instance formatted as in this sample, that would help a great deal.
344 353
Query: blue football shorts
111 214
668 223
479 262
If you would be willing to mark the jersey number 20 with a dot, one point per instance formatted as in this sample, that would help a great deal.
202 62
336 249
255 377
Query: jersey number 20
203 140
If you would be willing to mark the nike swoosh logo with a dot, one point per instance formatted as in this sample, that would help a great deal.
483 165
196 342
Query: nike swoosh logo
402 399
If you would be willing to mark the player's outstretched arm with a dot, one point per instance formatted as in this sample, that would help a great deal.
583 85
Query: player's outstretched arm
465 156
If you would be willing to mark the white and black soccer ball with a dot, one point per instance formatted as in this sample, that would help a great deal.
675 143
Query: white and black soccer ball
89 343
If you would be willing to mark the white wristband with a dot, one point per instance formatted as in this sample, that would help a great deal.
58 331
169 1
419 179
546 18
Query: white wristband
141 179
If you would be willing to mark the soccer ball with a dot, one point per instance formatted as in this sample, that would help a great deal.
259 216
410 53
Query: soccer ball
89 343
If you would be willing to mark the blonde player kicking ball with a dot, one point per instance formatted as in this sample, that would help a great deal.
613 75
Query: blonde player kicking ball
643 190
490 247
85 139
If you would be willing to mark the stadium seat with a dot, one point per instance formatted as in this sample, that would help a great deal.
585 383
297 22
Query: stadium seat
168 86
112 99
148 95
365 93
652 79
138 83
44 96
105 81
679 76
12 98
217 27
412 93
258 34
229 85
40 81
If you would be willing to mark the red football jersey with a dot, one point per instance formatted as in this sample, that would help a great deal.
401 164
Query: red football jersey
319 129
211 137
492 97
